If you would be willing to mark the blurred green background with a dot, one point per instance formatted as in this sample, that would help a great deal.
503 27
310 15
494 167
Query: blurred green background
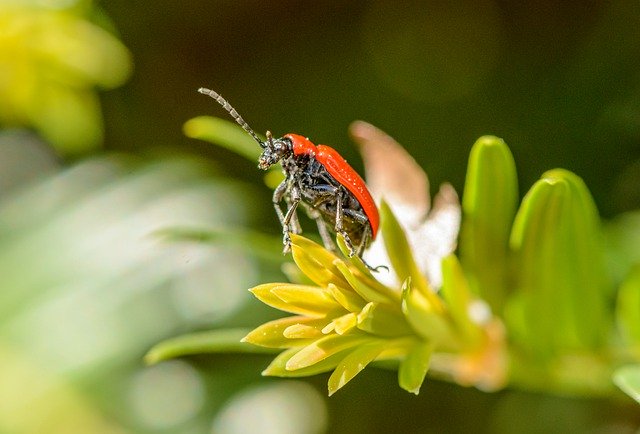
85 287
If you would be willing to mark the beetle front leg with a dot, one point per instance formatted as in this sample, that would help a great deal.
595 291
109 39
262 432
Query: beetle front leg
366 236
278 194
323 230
291 215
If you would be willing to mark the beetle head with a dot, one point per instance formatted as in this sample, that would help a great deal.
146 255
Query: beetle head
274 151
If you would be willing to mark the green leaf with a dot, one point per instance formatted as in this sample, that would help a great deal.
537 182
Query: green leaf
623 243
561 278
414 367
383 320
489 205
399 251
351 365
628 307
455 291
627 378
261 245
375 292
424 320
215 341
355 260
223 133
316 262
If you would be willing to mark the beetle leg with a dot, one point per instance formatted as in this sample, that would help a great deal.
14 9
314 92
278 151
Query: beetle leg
278 194
291 214
323 230
295 224
339 229
365 240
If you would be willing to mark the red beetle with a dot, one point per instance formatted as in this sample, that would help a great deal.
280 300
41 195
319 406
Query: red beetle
317 177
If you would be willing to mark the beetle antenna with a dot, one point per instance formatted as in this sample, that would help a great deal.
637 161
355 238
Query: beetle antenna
234 114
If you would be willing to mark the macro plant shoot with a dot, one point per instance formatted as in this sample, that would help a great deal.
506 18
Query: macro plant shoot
424 286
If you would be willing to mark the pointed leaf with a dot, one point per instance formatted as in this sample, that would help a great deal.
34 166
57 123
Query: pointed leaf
420 314
305 331
342 324
313 300
351 365
489 205
400 254
345 323
294 298
272 334
414 367
383 320
316 262
216 341
627 378
348 299
367 292
557 240
355 260
455 291
323 348
293 273
277 368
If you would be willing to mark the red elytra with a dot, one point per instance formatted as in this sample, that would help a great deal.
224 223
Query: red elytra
342 172
316 176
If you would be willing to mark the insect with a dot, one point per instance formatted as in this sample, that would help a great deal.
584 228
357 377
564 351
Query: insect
320 180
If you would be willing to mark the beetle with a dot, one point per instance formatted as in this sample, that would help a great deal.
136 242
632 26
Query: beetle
319 179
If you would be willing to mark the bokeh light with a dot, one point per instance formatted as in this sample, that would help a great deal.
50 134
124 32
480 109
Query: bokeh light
285 408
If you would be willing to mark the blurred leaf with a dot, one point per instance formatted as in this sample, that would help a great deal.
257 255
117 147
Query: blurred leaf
489 205
266 247
53 59
32 397
627 378
623 243
560 271
414 367
273 177
628 307
455 291
223 133
215 341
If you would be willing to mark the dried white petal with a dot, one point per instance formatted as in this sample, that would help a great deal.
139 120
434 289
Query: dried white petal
393 175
